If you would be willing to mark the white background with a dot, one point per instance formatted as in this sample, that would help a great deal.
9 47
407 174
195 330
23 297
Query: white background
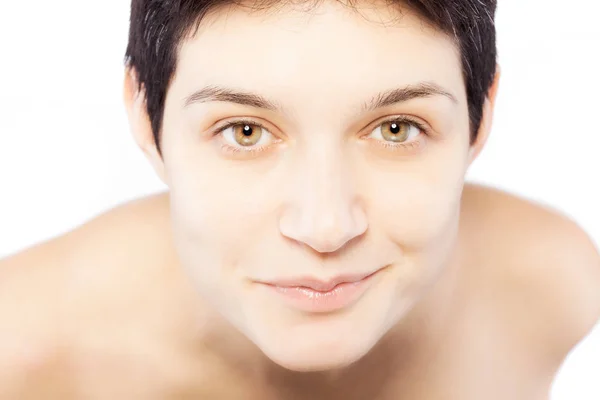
66 154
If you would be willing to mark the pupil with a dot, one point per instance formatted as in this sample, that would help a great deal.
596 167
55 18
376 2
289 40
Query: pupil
247 131
395 128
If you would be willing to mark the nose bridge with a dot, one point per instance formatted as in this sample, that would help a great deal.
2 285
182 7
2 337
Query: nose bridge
325 181
323 210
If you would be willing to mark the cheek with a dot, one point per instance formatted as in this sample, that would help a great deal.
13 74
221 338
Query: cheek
418 217
219 212
223 227
418 205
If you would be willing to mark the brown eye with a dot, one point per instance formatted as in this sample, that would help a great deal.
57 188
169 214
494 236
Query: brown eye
399 131
247 134
395 131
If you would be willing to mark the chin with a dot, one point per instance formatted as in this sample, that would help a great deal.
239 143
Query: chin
316 357
301 341
317 343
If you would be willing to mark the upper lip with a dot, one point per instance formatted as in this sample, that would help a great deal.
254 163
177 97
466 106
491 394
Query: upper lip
318 284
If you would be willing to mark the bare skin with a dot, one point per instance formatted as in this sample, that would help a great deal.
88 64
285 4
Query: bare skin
304 144
105 312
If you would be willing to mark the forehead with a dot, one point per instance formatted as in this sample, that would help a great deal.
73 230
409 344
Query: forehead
318 51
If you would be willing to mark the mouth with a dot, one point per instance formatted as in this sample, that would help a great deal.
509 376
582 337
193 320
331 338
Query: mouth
319 296
320 285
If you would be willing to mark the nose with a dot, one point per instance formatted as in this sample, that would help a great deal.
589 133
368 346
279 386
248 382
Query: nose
322 208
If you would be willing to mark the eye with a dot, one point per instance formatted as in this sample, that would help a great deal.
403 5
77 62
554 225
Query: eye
398 131
245 135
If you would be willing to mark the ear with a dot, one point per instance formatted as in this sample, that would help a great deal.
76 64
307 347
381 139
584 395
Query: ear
486 119
139 121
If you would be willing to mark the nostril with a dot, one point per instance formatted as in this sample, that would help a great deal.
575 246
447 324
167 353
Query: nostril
326 245
331 238
326 228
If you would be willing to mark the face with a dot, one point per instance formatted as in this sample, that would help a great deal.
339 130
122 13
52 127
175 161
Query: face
314 199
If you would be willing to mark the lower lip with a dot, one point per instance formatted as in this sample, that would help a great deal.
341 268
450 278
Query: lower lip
314 301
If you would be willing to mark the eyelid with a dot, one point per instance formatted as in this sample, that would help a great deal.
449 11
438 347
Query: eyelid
410 147
423 127
397 118
239 121
236 149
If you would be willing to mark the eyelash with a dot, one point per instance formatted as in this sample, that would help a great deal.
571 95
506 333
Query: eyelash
387 145
403 119
237 150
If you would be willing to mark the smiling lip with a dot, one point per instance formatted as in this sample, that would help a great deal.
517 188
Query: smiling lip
315 296
317 285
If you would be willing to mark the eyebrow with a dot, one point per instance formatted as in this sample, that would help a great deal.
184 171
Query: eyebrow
406 93
220 93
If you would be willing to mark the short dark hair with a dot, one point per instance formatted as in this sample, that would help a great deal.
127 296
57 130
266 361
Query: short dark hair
158 27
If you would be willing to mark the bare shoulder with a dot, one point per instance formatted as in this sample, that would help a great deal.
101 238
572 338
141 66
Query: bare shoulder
104 255
70 283
542 265
28 321
139 228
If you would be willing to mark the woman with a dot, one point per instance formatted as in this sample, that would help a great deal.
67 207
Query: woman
318 239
